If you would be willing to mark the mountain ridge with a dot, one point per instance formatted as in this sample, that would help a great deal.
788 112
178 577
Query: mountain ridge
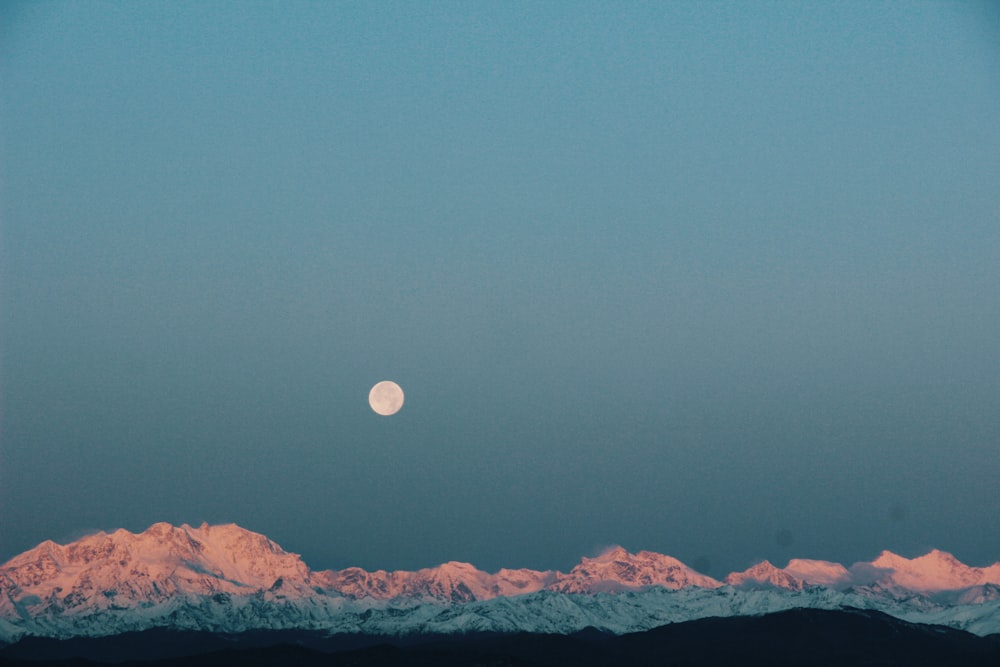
227 578
230 554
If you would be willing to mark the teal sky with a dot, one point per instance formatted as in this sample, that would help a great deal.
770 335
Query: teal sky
719 280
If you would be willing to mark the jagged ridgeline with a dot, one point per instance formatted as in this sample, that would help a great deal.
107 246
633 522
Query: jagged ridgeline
228 579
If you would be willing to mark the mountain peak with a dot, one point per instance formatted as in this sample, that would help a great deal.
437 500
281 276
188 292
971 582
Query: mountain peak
938 556
610 555
934 571
458 566
162 561
616 569
887 558
158 528
764 574
817 572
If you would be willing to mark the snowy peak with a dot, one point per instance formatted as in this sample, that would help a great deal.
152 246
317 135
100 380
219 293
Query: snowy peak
764 574
355 582
940 560
244 556
162 561
934 571
450 582
888 560
616 570
612 571
817 572
610 555
462 582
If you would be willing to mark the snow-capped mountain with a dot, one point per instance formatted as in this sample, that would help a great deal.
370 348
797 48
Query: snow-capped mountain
765 574
933 572
228 579
818 572
157 564
617 570
452 582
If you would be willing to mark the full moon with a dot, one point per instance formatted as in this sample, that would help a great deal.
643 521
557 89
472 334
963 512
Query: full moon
386 398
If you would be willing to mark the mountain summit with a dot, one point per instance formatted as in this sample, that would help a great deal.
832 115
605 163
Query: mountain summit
765 574
932 572
617 570
158 563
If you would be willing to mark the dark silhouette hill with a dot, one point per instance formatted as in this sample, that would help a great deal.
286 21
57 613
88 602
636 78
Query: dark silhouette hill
799 637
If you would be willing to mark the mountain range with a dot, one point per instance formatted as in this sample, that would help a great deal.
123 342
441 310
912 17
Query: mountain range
228 579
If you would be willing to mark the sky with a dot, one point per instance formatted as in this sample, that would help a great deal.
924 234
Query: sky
717 280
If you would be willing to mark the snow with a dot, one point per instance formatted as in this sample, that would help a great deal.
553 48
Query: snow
817 572
618 570
764 574
932 572
228 579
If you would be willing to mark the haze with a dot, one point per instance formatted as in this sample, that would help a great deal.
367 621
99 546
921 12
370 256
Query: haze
714 281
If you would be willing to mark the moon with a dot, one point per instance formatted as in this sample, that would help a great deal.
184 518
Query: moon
386 398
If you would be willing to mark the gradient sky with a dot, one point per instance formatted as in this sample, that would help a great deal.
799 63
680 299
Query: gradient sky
718 280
